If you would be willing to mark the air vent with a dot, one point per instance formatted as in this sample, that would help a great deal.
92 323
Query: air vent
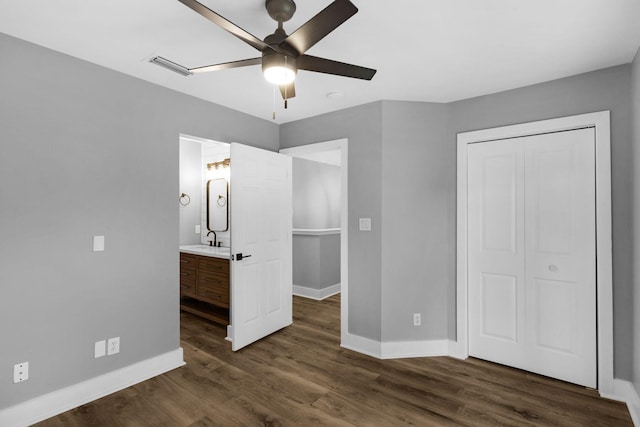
169 65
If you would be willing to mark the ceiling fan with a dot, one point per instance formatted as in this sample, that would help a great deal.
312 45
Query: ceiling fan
283 55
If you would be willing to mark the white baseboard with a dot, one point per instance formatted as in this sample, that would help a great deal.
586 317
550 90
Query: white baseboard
624 391
361 345
317 294
457 350
406 349
59 401
395 349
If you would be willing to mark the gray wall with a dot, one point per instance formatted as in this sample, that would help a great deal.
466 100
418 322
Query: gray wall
635 91
316 261
191 184
362 126
88 151
607 89
418 170
316 194
418 254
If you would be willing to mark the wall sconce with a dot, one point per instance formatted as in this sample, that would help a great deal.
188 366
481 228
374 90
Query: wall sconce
217 165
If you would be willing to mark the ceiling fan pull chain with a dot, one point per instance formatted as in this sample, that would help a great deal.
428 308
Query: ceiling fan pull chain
274 103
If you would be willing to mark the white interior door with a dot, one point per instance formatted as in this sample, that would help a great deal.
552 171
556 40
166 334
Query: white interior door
531 254
261 223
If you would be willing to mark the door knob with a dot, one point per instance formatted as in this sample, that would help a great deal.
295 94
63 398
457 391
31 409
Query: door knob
239 256
553 268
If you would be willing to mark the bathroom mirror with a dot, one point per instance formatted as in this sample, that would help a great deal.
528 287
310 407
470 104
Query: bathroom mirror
218 204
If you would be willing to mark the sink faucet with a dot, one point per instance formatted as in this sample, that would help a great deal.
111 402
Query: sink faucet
215 238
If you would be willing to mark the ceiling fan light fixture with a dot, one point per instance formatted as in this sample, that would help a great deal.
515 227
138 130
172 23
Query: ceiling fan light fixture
279 75
278 68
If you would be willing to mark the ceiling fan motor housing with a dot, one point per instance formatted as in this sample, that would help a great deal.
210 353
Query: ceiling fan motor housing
280 10
282 54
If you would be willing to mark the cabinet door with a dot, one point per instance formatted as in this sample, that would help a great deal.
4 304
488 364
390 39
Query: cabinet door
214 288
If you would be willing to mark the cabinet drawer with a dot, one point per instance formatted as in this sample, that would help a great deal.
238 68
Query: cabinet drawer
187 288
187 276
214 288
187 261
216 265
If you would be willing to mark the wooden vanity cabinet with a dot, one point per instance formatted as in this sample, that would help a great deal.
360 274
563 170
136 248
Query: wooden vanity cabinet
204 286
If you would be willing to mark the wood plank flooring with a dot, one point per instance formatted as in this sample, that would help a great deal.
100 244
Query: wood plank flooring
301 377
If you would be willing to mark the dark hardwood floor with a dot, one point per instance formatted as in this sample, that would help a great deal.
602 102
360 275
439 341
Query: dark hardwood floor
300 376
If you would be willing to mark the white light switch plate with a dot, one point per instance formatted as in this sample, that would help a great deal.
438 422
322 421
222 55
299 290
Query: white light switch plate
100 349
197 228
98 243
365 224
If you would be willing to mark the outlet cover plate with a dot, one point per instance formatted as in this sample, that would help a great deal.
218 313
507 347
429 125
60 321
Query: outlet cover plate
417 321
20 372
113 346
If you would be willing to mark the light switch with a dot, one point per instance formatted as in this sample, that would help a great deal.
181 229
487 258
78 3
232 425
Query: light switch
365 224
98 243
197 228
100 349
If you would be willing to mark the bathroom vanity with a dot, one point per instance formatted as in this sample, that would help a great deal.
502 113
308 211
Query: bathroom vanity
204 282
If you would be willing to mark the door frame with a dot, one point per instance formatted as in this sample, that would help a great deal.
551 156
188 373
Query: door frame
604 276
343 146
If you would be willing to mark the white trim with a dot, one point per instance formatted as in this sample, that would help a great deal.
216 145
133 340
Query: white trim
316 294
59 401
361 344
343 146
601 121
315 231
624 391
406 349
396 349
456 351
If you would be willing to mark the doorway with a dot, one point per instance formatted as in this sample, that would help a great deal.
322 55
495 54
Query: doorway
245 283
600 122
327 151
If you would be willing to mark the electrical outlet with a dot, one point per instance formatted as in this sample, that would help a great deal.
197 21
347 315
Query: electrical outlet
417 321
100 349
20 372
113 346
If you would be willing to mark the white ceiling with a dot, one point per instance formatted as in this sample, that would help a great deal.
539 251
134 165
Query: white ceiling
436 51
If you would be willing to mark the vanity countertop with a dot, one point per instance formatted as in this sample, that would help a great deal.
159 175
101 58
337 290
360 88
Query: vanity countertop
204 250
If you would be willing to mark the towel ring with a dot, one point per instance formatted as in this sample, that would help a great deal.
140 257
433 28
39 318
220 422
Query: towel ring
184 199
221 200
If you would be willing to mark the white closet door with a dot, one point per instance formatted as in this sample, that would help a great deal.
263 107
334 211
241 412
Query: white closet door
560 256
496 266
532 254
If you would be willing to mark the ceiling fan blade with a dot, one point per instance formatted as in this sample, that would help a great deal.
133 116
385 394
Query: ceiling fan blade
328 66
226 65
226 25
320 25
288 91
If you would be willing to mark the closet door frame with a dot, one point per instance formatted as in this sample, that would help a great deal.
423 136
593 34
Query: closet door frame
604 287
